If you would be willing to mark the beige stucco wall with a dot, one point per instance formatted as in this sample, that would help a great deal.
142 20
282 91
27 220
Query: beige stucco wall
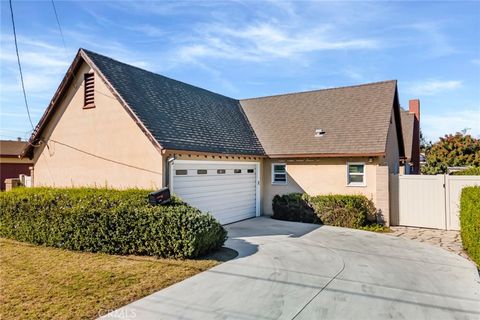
321 176
114 152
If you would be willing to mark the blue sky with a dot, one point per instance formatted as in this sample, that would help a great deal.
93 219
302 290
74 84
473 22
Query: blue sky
254 48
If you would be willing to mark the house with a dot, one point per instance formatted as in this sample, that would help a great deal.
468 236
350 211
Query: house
11 166
115 125
411 136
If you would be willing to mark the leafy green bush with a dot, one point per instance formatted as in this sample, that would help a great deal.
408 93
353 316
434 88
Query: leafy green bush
470 221
293 207
350 211
109 221
472 171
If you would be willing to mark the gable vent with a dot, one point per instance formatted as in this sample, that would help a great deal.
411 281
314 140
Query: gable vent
89 91
319 133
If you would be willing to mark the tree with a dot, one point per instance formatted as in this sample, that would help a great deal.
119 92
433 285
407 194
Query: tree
457 150
424 144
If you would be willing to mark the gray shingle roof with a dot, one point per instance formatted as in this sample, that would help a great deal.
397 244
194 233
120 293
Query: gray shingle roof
355 120
178 115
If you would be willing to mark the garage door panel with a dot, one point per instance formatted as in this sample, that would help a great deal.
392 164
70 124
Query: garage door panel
223 206
229 197
216 190
193 183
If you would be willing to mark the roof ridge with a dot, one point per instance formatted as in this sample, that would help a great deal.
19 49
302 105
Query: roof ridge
316 90
154 73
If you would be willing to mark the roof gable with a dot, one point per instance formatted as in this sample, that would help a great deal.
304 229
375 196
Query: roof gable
355 120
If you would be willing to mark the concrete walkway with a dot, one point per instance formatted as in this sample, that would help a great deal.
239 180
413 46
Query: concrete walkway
446 239
289 270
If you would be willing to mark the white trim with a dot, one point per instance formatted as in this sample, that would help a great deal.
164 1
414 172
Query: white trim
364 174
215 162
273 174
257 173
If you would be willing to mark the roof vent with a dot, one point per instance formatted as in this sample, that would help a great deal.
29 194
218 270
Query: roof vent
319 133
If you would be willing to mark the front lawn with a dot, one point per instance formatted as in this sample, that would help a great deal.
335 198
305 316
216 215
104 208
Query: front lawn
39 282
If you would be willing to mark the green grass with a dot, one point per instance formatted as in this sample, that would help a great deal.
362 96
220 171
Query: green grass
42 283
376 228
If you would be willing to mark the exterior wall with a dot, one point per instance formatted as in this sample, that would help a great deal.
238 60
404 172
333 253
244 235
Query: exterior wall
320 176
12 168
386 196
105 147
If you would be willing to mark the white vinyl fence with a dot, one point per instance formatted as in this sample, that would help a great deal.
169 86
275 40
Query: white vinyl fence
429 201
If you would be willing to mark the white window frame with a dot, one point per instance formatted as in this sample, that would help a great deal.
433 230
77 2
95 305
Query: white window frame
273 174
364 174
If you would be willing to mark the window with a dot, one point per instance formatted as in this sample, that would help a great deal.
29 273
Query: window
237 171
221 171
356 174
89 91
181 172
202 171
251 171
279 173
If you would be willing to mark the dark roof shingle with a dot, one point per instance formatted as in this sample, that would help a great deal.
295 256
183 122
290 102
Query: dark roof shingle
178 115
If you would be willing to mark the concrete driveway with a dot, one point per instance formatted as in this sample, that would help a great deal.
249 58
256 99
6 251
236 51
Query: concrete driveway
288 270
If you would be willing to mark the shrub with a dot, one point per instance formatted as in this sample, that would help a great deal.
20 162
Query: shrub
293 207
472 171
470 221
108 221
350 211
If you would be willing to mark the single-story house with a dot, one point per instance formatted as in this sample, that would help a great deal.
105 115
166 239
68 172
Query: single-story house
115 125
11 166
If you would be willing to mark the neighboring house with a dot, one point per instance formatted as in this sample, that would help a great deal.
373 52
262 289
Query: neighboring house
411 136
11 166
112 124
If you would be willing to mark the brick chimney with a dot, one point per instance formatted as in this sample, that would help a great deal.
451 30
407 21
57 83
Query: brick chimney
414 107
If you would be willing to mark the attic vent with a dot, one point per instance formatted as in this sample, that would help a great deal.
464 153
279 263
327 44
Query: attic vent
319 133
89 91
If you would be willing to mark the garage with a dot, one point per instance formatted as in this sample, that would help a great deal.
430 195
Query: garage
228 190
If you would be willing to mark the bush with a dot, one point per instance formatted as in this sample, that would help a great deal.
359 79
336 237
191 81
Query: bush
472 171
350 211
293 207
470 221
108 221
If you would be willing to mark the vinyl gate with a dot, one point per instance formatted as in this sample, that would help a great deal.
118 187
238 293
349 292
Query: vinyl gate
430 201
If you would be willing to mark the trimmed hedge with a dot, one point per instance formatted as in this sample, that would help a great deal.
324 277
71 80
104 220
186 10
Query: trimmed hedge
108 221
470 221
472 171
350 211
293 207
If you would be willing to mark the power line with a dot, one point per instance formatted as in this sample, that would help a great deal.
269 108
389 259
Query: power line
59 27
20 65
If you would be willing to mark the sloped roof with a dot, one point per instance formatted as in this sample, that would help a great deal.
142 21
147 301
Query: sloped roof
178 115
355 120
11 147
408 120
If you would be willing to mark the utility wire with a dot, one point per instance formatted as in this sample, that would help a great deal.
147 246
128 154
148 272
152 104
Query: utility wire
20 65
59 27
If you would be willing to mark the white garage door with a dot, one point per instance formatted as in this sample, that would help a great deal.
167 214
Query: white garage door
225 189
